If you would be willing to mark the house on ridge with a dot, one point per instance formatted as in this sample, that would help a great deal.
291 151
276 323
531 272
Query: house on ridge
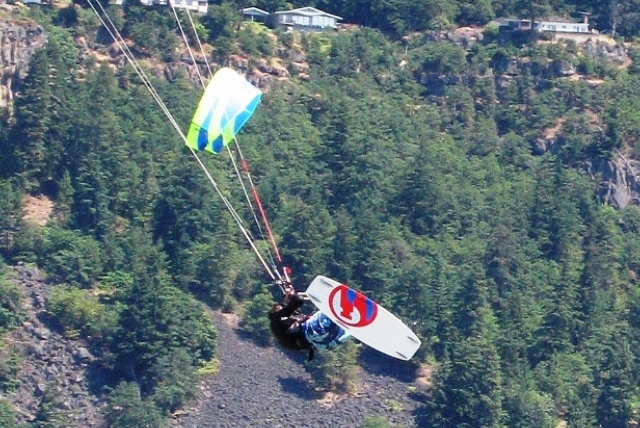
555 26
306 18
199 6
254 14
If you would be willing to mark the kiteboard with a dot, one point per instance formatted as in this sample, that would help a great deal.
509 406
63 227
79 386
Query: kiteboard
366 320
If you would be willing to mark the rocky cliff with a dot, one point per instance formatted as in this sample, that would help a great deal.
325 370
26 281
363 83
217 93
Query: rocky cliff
19 38
52 368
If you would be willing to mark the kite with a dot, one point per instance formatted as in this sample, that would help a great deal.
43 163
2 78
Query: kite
226 105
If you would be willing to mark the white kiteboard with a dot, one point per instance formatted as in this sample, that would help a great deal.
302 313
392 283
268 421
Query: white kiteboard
367 321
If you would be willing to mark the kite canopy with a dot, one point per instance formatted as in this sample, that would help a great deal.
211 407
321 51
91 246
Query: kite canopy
227 103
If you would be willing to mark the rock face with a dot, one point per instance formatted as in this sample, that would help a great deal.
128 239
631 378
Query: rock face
618 180
616 54
17 44
49 360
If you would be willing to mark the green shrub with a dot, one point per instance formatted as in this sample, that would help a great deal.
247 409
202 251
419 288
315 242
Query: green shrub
25 244
337 370
287 40
173 378
10 216
70 257
265 45
375 422
255 320
9 365
491 31
10 303
7 415
586 66
126 409
76 310
249 40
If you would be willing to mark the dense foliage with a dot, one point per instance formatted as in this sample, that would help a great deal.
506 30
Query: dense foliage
424 184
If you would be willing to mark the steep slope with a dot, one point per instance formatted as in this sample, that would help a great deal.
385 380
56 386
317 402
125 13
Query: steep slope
265 387
54 371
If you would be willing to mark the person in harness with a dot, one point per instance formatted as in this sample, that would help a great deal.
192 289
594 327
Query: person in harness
294 330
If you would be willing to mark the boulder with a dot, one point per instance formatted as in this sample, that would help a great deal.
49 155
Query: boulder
618 180
83 355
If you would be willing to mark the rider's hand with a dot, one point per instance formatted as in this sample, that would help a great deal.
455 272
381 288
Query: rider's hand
289 292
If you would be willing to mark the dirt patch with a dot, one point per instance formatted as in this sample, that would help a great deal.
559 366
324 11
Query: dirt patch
550 133
593 116
37 210
329 399
594 82
232 320
425 377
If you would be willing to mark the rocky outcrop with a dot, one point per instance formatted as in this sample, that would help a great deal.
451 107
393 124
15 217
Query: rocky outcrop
463 36
17 44
618 180
273 68
466 36
564 68
49 360
608 52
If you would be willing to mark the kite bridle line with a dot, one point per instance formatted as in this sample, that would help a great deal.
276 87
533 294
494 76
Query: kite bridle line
245 165
119 40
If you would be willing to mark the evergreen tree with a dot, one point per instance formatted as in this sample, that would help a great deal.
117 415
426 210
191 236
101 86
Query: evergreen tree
127 409
157 319
10 215
29 136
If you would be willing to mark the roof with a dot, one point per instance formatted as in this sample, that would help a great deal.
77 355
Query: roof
561 23
554 20
307 11
254 11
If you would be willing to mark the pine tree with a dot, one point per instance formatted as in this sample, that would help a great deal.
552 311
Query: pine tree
29 135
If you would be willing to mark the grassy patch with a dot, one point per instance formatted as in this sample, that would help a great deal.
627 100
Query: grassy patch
209 368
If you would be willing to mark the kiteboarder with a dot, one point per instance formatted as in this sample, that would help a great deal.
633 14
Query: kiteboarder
297 331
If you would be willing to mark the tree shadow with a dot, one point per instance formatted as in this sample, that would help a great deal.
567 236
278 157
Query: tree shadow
49 322
422 414
99 379
377 363
299 387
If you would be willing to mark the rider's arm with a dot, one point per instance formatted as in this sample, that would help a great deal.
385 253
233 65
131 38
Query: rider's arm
294 302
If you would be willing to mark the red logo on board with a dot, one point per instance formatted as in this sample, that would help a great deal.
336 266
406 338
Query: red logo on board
352 307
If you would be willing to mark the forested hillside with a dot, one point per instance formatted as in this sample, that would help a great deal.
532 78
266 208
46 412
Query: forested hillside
462 184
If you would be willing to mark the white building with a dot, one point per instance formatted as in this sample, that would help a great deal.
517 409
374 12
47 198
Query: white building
561 27
545 26
307 17
199 6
